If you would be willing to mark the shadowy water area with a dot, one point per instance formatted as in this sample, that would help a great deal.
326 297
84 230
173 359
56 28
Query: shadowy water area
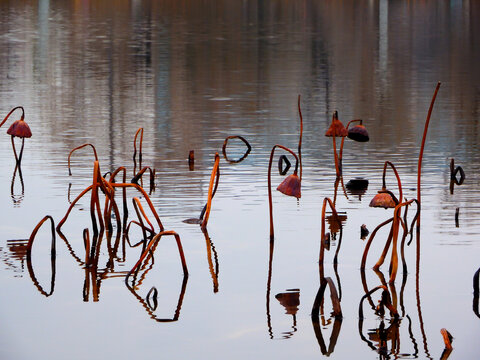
222 284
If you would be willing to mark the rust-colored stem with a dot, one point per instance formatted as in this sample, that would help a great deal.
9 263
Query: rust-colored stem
152 242
270 204
340 154
210 191
420 156
300 137
399 183
10 113
139 131
78 148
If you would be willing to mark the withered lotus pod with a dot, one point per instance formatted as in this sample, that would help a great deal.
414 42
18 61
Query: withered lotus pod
20 129
336 127
358 133
291 186
383 199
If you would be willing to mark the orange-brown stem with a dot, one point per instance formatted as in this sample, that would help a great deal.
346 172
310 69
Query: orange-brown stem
153 242
210 191
139 131
10 113
395 228
78 148
300 137
399 183
270 204
420 156
340 154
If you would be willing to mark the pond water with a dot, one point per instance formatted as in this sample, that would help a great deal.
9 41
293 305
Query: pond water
191 74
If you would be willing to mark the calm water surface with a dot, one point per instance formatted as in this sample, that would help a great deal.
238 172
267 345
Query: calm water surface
191 74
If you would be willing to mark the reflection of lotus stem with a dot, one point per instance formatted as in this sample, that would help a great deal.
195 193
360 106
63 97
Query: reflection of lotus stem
337 309
300 137
340 153
213 273
52 255
323 235
77 148
270 182
215 170
86 242
420 156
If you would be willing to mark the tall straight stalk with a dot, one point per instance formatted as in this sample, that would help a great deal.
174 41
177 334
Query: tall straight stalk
419 172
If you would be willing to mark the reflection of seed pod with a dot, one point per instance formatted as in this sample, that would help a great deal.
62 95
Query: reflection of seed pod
290 300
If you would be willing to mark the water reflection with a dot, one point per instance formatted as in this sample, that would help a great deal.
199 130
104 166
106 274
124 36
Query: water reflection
190 74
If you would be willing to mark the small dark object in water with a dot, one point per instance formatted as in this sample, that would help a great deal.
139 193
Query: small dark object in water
191 160
457 211
364 231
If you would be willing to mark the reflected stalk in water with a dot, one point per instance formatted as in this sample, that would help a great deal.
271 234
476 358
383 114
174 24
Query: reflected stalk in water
296 302
17 199
52 257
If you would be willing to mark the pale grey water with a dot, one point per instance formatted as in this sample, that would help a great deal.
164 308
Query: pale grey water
191 74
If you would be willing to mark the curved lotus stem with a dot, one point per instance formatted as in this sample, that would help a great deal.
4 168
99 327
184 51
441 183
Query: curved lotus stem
140 212
270 205
153 242
395 228
147 199
18 128
217 179
340 153
10 113
78 148
369 242
34 233
323 235
139 131
300 137
420 156
140 174
224 148
399 183
210 191
124 190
